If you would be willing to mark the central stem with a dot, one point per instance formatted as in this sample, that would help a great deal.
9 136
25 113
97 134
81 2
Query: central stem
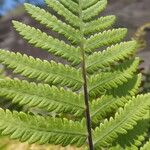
84 73
87 110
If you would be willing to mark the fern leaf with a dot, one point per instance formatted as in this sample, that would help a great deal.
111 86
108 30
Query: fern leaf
63 11
105 38
2 72
48 72
46 42
124 120
94 10
42 96
118 147
99 25
76 1
71 5
88 3
110 56
104 106
42 130
53 22
146 146
108 80
130 88
135 137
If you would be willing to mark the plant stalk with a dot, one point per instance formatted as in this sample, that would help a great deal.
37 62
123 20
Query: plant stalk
85 86
87 110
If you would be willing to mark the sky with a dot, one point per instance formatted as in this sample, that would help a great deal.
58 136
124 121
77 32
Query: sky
7 5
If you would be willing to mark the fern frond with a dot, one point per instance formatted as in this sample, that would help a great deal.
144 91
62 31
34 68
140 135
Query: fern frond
108 80
135 137
63 11
105 38
104 106
49 72
94 10
76 1
146 146
124 120
118 147
71 5
42 96
2 72
42 130
99 25
130 88
88 3
110 56
99 86
48 43
53 22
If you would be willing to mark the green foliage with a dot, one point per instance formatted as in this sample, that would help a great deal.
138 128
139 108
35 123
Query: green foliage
108 80
58 90
106 58
124 120
49 72
42 130
48 43
42 96
2 72
146 146
136 136
146 86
